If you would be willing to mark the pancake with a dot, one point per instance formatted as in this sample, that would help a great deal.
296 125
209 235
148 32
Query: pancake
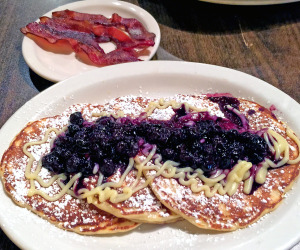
148 189
67 212
142 206
226 212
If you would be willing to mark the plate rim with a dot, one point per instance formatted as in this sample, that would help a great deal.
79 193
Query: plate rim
249 2
134 69
28 45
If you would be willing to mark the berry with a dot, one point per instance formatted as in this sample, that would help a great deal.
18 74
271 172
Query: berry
76 118
73 129
108 167
52 162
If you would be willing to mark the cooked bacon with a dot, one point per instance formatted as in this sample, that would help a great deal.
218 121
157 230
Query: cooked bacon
52 34
135 28
84 32
118 56
82 26
103 33
113 32
99 19
121 39
80 42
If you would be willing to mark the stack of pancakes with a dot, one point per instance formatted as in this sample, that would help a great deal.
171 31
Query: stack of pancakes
164 200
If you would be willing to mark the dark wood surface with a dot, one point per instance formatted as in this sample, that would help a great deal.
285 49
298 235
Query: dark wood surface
263 41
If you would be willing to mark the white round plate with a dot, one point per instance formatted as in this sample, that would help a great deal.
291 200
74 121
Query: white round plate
57 67
278 230
250 2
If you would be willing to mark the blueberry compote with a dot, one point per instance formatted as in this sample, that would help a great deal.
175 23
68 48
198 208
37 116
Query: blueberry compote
196 140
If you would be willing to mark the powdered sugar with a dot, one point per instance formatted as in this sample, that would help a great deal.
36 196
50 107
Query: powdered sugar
180 195
71 213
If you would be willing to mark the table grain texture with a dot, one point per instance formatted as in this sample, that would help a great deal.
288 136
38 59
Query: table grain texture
263 41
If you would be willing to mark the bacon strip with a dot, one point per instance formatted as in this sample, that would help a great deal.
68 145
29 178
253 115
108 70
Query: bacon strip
102 33
52 34
84 32
121 39
82 26
80 42
69 14
135 28
119 56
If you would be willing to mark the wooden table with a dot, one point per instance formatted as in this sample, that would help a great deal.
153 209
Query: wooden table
263 41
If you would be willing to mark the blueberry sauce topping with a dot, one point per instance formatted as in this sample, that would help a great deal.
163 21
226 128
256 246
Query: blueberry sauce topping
196 140
224 103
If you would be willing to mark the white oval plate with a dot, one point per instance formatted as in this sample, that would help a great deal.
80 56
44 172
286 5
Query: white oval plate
250 2
58 67
278 230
